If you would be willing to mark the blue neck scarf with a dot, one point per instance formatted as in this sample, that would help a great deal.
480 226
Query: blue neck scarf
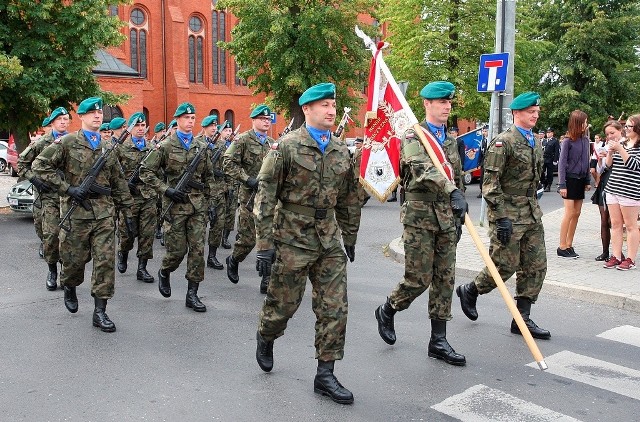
93 138
57 135
322 137
439 131
262 137
528 135
227 144
139 143
185 139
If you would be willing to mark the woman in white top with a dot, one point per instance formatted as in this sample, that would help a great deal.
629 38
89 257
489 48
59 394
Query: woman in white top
623 193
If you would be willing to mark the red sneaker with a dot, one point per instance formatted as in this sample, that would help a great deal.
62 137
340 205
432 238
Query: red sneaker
613 262
627 264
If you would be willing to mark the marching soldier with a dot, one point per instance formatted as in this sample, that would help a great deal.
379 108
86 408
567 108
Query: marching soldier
309 174
130 154
91 235
116 126
431 215
105 132
242 162
184 235
513 166
159 129
47 217
231 194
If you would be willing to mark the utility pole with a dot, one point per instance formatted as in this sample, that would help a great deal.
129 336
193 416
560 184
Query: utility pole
500 117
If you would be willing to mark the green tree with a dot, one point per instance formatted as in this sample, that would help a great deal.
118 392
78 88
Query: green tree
54 42
589 59
441 41
282 47
10 68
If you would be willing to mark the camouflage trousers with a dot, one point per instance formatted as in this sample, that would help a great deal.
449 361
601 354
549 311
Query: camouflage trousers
327 271
143 213
429 263
185 236
50 230
525 255
37 220
215 229
246 237
87 240
231 201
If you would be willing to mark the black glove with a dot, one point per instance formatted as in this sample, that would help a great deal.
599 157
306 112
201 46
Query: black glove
76 193
132 227
176 195
264 261
133 188
40 185
213 215
351 252
458 204
505 229
252 183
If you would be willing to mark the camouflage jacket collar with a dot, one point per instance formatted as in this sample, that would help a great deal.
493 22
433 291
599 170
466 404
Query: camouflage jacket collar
308 141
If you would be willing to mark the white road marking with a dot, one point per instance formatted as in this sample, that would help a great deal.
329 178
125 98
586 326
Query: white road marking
625 334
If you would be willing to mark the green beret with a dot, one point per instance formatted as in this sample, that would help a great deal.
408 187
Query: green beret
226 124
524 100
117 123
261 110
172 124
136 117
321 91
438 90
184 108
91 103
46 122
60 111
104 126
158 127
209 120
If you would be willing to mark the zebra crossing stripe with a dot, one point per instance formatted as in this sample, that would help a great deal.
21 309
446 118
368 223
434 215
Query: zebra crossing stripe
484 404
626 334
594 372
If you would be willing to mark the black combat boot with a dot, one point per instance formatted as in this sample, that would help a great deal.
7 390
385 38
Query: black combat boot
192 300
122 261
393 197
264 353
468 294
212 261
100 317
524 306
70 299
158 233
264 284
232 269
384 315
164 284
225 239
142 273
439 347
327 384
52 277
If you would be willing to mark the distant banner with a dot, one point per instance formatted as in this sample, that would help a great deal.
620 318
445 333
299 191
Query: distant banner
472 141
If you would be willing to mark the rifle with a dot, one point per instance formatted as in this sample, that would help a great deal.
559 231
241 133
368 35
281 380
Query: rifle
343 123
89 183
186 178
135 176
249 204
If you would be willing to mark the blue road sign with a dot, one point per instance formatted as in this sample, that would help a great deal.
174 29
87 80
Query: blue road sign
492 75
273 117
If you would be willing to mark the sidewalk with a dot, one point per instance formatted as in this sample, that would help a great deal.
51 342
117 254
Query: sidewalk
582 278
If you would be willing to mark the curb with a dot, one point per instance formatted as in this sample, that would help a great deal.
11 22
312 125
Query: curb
630 302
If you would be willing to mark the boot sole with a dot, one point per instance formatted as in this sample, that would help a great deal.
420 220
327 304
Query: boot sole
471 317
146 280
188 305
538 336
326 393
386 340
52 288
450 362
106 330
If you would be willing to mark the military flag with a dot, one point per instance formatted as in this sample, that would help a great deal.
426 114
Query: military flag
472 141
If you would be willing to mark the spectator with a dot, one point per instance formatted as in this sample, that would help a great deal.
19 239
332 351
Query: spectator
551 156
483 149
600 173
573 173
623 193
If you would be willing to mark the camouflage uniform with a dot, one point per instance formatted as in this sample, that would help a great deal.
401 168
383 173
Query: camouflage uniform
429 227
512 171
185 235
243 160
144 202
91 236
46 218
218 199
318 203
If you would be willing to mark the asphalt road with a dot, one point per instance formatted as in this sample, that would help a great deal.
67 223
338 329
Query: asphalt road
166 362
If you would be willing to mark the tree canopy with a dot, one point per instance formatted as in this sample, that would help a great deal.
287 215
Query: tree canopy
283 47
54 42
